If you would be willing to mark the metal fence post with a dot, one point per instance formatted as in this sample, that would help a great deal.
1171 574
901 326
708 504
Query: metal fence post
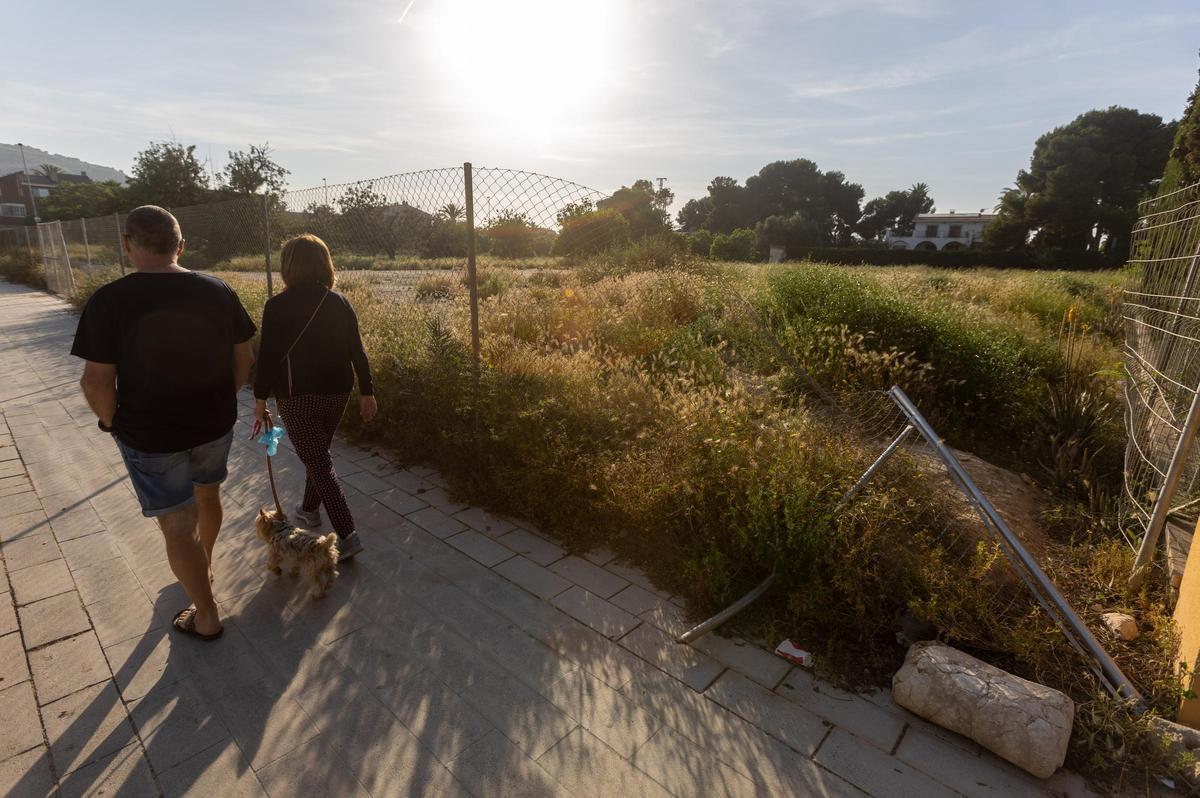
120 242
1162 507
87 250
29 242
266 222
472 282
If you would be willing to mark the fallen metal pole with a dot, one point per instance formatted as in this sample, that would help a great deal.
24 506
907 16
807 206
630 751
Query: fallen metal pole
745 601
1063 613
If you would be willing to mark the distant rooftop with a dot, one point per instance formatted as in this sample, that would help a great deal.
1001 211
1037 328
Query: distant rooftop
954 217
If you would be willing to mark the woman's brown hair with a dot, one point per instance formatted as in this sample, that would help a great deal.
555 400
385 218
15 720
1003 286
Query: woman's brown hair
306 259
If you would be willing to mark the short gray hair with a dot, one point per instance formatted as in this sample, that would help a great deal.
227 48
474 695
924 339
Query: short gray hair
154 228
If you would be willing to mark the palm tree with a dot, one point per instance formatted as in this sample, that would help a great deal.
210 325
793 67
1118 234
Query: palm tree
451 212
49 171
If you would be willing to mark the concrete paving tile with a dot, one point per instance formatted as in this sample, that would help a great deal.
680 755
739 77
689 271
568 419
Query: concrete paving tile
520 713
587 767
69 665
480 548
41 581
636 600
588 608
266 723
537 580
372 742
19 504
219 771
8 613
28 775
874 771
439 497
307 771
89 550
533 546
409 482
761 666
594 652
139 664
851 712
123 617
636 576
693 668
436 522
29 550
105 580
682 768
778 717
22 728
52 619
669 617
18 527
601 556
482 521
22 485
972 775
441 719
603 711
366 482
590 577
73 520
86 726
175 723
13 667
399 501
125 774
495 768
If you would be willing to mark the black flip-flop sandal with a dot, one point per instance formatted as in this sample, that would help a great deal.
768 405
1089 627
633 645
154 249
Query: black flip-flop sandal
185 622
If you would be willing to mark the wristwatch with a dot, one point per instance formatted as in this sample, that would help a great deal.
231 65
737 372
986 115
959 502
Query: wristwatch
103 428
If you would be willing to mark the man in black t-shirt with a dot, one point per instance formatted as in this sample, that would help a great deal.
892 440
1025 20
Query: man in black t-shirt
166 350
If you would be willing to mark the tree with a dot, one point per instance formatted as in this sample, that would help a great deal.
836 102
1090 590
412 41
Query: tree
513 235
793 233
1084 181
786 187
49 171
249 171
167 173
80 200
693 216
643 206
588 233
1183 165
451 212
894 211
369 223
740 245
700 242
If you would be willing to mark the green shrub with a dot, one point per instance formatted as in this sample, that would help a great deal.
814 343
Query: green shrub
591 232
739 245
21 267
433 288
700 242
446 239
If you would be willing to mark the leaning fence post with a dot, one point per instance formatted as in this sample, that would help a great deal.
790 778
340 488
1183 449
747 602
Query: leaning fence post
87 250
266 223
120 248
472 284
1162 506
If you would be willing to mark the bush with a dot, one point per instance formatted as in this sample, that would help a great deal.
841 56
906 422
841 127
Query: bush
961 259
700 242
794 233
21 267
513 236
446 240
589 233
435 287
740 245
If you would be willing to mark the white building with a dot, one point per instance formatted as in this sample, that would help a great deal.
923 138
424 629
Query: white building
944 231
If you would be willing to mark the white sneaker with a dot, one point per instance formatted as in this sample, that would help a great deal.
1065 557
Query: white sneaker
307 520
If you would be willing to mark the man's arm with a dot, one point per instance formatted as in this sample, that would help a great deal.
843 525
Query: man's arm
100 387
243 359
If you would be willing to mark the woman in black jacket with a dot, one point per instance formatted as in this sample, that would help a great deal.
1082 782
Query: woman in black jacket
309 354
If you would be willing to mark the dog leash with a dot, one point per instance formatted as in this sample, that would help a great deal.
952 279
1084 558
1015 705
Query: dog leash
270 471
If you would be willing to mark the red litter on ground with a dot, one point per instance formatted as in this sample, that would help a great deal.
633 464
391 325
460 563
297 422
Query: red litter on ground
793 653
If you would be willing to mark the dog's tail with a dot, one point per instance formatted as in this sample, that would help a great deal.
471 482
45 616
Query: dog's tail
328 542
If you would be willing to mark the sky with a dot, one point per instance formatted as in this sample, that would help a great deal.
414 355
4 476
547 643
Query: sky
953 93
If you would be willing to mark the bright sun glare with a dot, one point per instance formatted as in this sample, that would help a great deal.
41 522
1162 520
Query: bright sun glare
532 66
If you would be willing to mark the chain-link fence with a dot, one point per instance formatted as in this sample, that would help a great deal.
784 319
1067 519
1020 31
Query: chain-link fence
1162 363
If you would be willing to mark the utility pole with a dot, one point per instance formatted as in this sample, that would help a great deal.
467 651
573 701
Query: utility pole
25 173
326 185
661 180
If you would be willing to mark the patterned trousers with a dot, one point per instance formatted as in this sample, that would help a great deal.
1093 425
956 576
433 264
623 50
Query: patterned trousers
310 421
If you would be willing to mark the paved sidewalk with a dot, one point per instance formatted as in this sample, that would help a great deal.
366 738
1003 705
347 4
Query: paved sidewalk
460 655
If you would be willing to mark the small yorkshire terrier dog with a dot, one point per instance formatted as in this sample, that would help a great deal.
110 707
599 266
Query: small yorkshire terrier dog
298 548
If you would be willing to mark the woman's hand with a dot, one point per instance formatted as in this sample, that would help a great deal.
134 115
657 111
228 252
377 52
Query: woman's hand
260 410
367 407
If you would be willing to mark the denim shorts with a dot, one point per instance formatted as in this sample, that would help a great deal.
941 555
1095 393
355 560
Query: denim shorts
165 483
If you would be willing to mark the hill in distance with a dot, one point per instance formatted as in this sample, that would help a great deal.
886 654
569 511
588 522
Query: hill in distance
10 161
